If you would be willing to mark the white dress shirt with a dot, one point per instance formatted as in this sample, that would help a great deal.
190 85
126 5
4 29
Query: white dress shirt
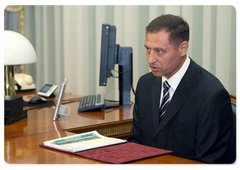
175 79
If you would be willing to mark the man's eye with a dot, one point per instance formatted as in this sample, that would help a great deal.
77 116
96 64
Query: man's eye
148 50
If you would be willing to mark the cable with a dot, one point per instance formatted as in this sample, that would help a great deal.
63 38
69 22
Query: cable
121 72
133 90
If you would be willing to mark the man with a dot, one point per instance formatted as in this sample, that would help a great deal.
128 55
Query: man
195 118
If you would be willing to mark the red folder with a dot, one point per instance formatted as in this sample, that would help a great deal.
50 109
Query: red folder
120 153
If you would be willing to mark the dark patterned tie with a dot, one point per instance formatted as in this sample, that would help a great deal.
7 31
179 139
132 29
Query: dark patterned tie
165 99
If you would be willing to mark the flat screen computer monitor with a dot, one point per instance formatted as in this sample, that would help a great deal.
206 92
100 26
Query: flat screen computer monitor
107 53
111 54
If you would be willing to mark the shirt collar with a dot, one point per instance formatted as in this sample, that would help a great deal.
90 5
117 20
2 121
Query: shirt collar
176 78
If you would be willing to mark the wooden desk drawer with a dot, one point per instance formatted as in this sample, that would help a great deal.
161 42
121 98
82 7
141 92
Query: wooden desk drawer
120 129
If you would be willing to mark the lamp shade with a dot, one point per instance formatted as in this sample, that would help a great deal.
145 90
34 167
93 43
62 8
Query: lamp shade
17 49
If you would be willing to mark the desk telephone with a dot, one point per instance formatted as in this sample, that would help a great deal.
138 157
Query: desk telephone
24 82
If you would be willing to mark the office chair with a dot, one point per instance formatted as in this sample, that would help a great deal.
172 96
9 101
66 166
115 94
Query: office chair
232 147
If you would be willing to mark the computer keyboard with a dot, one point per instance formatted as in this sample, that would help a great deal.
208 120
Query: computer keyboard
91 102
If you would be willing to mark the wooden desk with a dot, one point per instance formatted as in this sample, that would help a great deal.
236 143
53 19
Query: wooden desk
22 138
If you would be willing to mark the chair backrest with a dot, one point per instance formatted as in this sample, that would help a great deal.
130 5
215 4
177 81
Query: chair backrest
232 148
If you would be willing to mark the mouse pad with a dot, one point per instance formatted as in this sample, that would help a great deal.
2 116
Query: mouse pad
48 103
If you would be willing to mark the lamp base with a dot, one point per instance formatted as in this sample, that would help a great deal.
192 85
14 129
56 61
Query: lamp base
11 119
12 105
13 109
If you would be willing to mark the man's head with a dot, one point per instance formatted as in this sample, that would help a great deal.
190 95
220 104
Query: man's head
166 44
175 25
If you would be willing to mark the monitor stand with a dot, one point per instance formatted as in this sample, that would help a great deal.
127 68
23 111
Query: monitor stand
124 60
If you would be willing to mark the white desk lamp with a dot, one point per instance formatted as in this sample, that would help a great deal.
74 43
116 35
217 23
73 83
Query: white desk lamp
17 51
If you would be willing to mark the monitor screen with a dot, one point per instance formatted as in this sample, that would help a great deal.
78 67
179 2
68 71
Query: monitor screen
107 59
111 54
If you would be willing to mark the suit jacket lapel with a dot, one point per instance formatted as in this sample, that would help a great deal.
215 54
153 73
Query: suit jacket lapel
182 93
179 98
156 90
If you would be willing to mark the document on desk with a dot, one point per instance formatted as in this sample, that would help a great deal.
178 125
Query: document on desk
83 141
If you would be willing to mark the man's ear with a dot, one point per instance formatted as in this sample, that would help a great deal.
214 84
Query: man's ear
183 47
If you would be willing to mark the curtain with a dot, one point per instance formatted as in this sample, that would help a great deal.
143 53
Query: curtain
67 40
13 20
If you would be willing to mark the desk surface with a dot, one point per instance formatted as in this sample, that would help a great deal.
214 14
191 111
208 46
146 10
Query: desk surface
22 138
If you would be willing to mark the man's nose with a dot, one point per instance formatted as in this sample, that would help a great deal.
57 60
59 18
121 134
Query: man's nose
151 57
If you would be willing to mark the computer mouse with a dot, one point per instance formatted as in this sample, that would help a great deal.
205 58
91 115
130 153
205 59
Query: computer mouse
37 100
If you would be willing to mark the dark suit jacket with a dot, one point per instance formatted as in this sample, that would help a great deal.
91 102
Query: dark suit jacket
198 120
